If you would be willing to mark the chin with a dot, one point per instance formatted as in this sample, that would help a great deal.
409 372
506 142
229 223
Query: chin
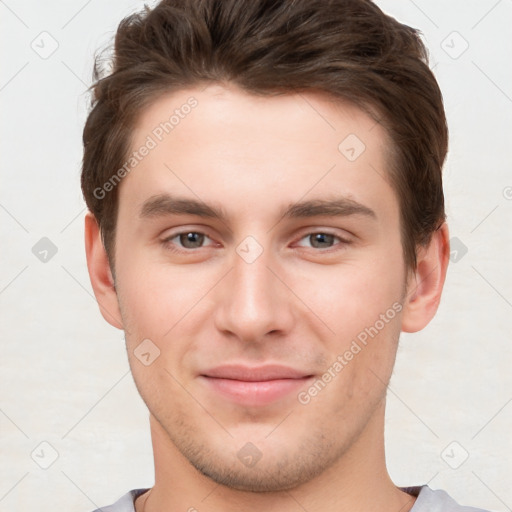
274 466
264 479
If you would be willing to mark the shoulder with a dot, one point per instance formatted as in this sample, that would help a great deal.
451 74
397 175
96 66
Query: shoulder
125 503
429 500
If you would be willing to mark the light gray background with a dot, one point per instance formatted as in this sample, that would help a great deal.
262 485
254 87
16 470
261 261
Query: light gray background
65 378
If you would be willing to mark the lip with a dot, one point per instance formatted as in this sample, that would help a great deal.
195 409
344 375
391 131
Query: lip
254 386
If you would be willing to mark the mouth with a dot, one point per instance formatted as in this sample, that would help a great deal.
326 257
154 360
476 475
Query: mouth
254 386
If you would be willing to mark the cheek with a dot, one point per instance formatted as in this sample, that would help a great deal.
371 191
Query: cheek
349 298
156 298
163 310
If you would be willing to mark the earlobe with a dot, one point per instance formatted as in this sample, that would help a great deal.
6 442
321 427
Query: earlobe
425 285
100 274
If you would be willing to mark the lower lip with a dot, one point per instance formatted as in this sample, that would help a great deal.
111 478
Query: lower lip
258 392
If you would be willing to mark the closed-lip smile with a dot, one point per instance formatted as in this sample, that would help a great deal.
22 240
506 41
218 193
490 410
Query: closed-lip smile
256 385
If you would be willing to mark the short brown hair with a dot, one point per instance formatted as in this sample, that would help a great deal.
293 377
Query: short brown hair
347 48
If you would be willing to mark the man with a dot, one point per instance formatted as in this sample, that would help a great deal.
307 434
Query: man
266 215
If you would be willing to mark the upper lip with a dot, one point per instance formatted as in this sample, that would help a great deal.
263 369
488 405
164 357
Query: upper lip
255 373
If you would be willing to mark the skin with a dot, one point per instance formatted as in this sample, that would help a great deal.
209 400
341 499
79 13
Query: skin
299 303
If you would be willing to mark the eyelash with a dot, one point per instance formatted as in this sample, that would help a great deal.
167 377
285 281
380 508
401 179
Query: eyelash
168 244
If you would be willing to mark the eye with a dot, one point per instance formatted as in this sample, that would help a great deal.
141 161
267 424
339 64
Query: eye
322 240
186 239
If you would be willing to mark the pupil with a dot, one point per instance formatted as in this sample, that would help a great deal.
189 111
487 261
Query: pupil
191 238
322 238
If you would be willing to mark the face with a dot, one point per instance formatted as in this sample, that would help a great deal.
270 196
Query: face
258 254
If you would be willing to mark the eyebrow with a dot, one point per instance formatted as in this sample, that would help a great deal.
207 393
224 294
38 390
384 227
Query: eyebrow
165 204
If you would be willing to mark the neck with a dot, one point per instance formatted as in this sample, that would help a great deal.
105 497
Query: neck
357 482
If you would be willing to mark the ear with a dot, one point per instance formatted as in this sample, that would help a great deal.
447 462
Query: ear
100 274
425 284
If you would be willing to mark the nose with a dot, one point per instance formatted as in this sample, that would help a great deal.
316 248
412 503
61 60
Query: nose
254 300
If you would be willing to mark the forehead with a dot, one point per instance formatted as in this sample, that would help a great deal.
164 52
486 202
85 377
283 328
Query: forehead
246 151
